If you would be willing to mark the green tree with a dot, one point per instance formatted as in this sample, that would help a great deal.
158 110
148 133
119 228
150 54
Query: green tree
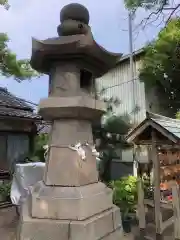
147 4
161 66
39 151
10 66
110 138
109 133
5 4
157 10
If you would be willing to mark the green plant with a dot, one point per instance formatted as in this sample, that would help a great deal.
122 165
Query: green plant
5 189
125 194
111 135
10 65
38 154
161 66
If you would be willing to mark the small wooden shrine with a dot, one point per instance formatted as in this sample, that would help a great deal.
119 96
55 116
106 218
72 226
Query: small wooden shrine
161 208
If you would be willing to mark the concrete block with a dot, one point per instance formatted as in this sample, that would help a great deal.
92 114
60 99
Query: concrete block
41 229
66 168
76 107
73 203
99 226
95 228
115 235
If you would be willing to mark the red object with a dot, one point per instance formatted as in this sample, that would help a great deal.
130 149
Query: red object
169 197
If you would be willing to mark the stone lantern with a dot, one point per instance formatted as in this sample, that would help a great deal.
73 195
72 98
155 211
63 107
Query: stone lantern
70 203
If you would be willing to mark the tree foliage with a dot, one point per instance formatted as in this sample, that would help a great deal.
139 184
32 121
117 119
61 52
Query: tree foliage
161 65
109 134
38 154
10 66
110 140
125 194
159 11
147 4
5 4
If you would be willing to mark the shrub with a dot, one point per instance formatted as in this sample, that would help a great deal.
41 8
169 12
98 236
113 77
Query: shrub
5 190
125 194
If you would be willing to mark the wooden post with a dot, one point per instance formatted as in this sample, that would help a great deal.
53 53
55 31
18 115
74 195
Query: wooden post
141 208
157 195
176 209
140 192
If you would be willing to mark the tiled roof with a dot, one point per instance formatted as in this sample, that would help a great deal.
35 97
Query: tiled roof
44 127
170 124
9 100
11 112
168 127
13 106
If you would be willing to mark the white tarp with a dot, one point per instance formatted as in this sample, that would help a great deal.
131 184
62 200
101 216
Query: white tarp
25 176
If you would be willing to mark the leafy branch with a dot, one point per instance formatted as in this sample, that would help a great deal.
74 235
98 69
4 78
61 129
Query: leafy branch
161 65
5 4
10 66
157 10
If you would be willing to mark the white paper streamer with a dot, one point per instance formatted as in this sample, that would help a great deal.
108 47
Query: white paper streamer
81 152
46 148
79 149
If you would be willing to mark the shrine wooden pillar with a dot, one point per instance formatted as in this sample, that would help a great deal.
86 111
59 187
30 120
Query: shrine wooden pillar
157 194
141 206
176 209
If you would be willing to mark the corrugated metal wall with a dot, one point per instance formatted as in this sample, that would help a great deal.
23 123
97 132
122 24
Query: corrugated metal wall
118 84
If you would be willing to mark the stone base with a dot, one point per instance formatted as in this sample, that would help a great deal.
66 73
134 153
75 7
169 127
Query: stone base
103 226
76 107
71 203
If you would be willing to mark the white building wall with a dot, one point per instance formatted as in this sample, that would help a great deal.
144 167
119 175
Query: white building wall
118 83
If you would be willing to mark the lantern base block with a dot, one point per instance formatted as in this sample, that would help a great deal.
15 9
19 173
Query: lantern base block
104 226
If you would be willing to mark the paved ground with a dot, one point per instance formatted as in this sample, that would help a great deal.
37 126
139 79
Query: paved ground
9 220
128 237
8 223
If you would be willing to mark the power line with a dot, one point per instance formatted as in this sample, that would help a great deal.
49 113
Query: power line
119 84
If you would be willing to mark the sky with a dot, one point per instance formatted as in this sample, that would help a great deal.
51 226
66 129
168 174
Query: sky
39 19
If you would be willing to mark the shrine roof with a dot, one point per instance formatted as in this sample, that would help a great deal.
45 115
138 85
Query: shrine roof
166 129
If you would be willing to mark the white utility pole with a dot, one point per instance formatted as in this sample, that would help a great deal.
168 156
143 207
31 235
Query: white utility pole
132 75
132 78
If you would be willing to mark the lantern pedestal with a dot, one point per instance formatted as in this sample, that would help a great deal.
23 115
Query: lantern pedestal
70 203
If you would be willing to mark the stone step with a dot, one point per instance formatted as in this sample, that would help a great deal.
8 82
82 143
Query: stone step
166 214
104 226
148 238
168 233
